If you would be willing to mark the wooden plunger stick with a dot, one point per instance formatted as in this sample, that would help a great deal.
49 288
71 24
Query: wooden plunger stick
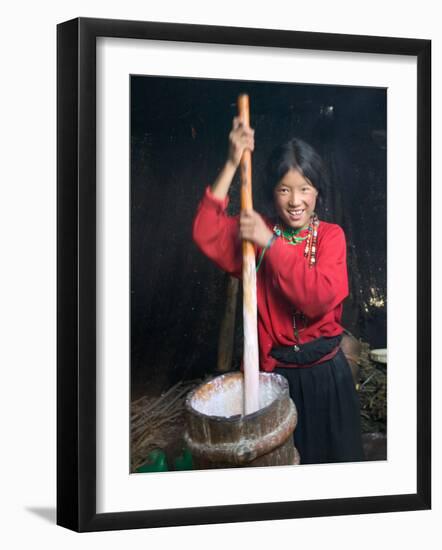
251 357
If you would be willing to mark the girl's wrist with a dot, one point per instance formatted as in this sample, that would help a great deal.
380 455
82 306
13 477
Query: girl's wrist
268 240
221 186
230 165
265 248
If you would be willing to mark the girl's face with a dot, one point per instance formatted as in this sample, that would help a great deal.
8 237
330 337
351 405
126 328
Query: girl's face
295 199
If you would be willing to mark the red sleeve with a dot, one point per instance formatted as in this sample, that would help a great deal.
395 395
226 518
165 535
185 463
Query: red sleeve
316 290
216 234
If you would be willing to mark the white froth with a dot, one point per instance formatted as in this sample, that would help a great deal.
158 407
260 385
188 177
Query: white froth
224 396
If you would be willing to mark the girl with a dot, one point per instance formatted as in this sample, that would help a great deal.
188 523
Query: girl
301 285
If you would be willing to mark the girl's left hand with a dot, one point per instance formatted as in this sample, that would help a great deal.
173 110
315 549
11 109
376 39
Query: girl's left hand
253 228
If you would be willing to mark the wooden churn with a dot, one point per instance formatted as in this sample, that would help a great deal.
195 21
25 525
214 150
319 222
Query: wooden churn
220 436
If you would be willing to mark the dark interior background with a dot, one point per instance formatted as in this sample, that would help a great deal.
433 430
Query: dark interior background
179 131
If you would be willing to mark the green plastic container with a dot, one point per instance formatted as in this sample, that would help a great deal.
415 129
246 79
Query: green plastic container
156 462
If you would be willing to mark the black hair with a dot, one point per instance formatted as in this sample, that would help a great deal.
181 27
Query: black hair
298 155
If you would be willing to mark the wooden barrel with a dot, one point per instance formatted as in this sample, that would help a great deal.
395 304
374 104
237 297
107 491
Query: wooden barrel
220 436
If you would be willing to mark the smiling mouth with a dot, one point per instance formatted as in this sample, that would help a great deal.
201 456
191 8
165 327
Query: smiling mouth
296 213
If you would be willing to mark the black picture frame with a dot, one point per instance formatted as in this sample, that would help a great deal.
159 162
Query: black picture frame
76 273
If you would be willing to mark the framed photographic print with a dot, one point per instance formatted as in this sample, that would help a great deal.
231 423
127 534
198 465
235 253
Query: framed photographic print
150 312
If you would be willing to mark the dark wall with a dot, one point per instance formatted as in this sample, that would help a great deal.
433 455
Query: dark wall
179 130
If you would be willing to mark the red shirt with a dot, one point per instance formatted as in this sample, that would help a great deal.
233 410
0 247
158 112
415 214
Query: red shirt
285 282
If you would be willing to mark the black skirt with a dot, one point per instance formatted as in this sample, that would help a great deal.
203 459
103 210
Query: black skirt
329 423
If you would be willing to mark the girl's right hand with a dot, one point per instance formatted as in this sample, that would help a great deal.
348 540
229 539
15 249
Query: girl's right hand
241 137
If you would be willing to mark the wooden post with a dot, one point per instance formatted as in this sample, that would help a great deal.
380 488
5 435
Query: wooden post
251 356
227 328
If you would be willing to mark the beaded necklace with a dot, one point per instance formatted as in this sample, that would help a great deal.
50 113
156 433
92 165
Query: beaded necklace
312 237
291 236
